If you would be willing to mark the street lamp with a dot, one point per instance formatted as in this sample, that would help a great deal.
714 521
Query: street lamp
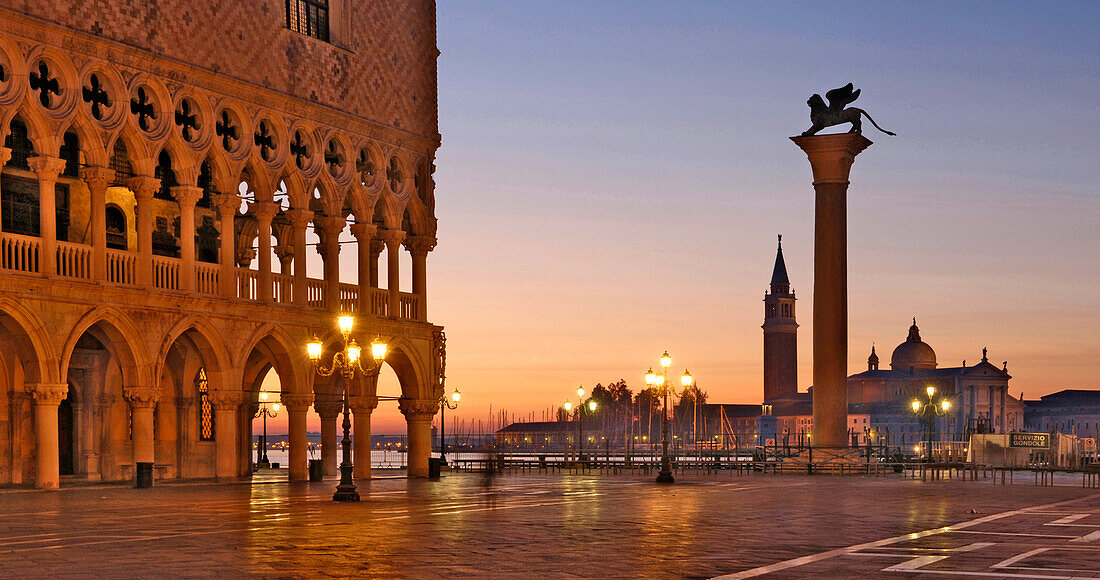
659 380
347 363
265 412
445 403
568 406
930 410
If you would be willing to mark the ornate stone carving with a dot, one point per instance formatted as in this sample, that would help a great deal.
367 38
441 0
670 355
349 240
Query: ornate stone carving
364 233
141 397
143 187
296 402
95 177
46 168
420 245
299 218
362 404
186 195
418 409
48 393
392 238
226 400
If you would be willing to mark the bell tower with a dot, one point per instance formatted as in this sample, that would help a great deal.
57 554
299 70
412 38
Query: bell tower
780 334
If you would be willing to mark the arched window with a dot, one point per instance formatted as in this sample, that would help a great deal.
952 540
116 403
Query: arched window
20 144
70 152
166 175
120 163
206 407
116 228
205 182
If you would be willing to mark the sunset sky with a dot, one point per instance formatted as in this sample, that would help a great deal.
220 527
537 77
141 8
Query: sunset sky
613 177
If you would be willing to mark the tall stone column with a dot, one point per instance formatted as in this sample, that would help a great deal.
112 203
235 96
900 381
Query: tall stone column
831 158
330 253
143 402
296 407
143 188
329 411
376 247
228 205
264 211
364 235
98 179
227 404
418 414
285 254
299 221
5 155
418 247
47 396
393 239
47 169
362 406
187 196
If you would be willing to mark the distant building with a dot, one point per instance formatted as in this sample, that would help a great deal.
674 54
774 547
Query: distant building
1073 411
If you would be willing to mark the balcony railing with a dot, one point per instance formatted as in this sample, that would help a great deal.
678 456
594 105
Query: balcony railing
166 273
21 254
206 277
74 260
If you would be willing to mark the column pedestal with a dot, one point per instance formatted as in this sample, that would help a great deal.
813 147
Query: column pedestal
329 446
418 414
831 158
47 461
227 404
362 407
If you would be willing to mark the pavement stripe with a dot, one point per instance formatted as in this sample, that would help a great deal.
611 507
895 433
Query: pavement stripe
1018 557
1068 519
804 560
913 564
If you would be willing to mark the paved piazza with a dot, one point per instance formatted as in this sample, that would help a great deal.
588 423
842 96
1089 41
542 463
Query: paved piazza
558 526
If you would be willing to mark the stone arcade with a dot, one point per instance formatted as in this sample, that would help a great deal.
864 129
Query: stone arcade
156 158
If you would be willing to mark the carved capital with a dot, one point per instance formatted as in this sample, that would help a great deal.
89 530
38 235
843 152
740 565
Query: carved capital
831 156
228 205
264 211
5 155
296 403
226 400
47 168
186 195
48 393
418 409
362 404
419 245
97 178
141 397
376 247
283 252
364 232
143 187
299 218
392 238
328 409
329 226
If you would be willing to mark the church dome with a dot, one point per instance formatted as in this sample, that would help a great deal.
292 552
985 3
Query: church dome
913 354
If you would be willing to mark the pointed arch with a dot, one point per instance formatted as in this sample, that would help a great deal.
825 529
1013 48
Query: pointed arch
409 367
126 343
46 141
137 152
385 212
276 343
91 145
35 347
207 339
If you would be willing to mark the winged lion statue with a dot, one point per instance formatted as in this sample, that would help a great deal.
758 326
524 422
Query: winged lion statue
822 115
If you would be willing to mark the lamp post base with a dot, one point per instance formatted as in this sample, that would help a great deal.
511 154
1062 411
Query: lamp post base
665 477
345 491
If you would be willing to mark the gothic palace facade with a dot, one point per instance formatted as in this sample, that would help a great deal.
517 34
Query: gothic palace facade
173 172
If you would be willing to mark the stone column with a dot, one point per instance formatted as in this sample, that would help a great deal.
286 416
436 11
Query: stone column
47 396
299 221
418 414
376 247
47 169
831 158
228 206
264 211
143 401
5 155
296 407
187 196
393 240
285 254
227 404
329 412
418 247
364 236
143 188
362 406
330 253
98 179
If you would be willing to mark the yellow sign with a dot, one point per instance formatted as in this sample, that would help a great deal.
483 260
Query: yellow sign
1030 440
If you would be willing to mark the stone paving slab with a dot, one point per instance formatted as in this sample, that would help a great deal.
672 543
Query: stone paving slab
558 526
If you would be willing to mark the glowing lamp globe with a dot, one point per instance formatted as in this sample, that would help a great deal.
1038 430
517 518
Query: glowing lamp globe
916 406
353 351
313 349
378 350
568 405
930 390
650 377
580 391
666 360
345 323
685 379
591 405
455 396
946 405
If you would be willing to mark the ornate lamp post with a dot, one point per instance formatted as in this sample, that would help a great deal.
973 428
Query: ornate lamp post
444 404
265 412
930 410
660 381
347 363
568 405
